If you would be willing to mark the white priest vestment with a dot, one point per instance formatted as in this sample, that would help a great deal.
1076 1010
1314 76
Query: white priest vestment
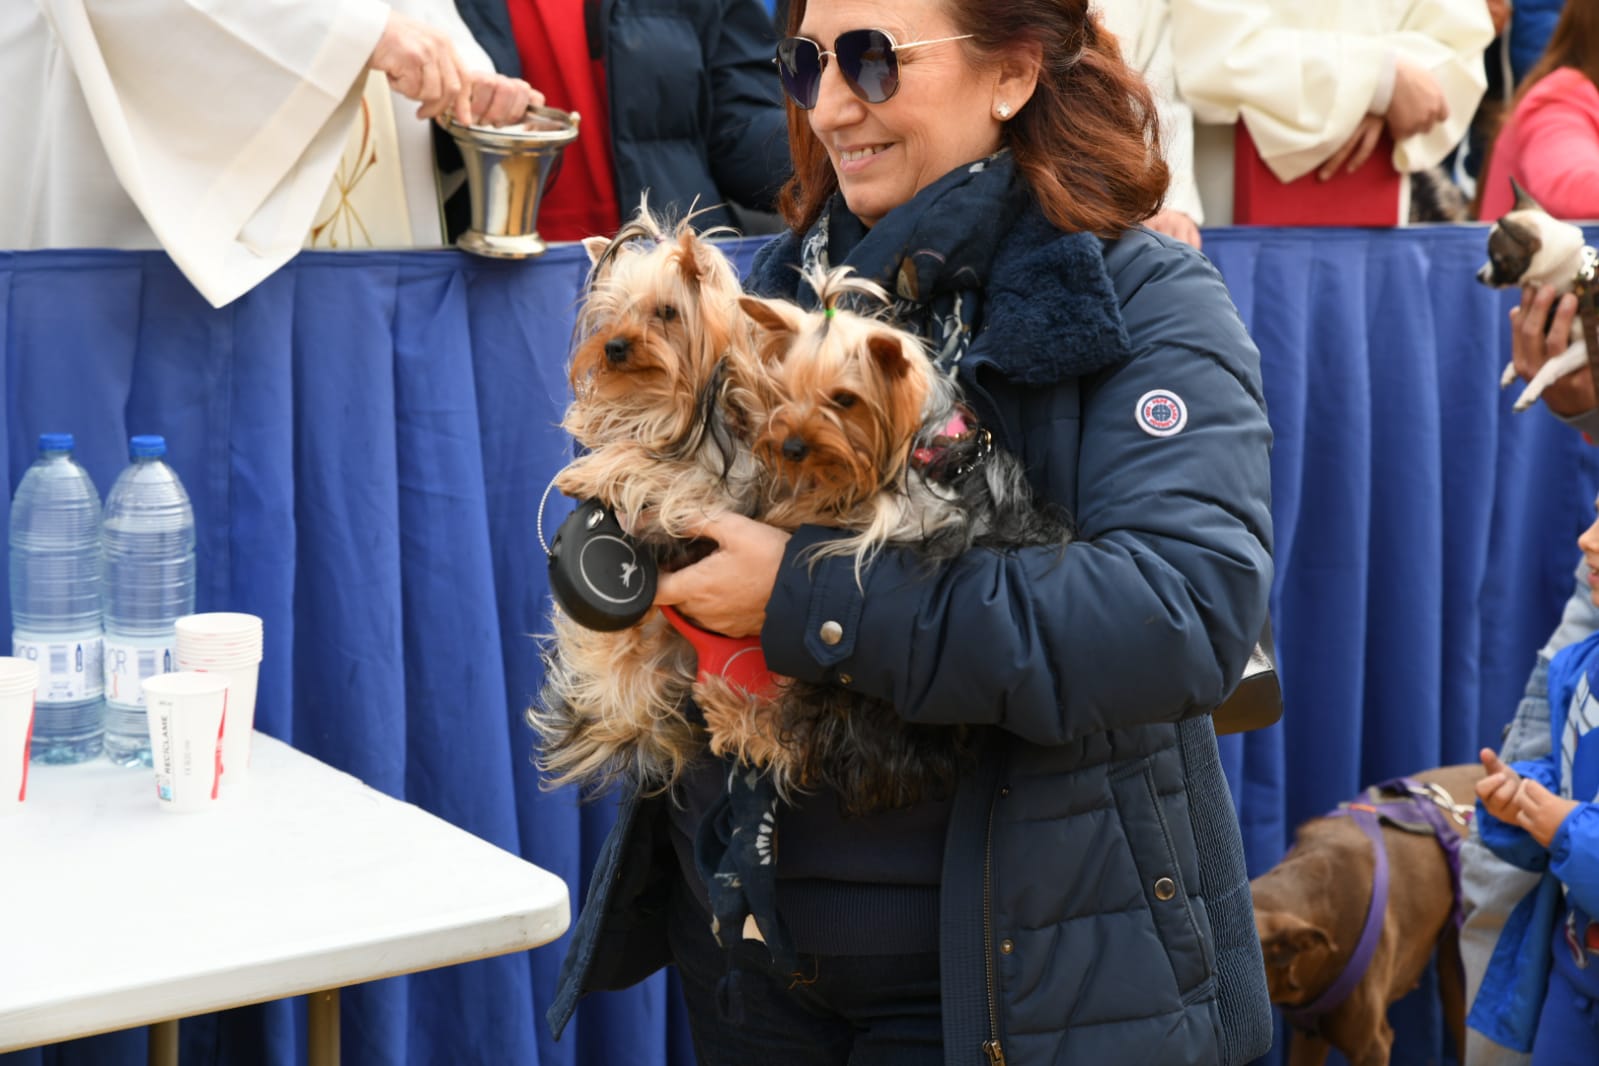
213 130
1143 29
1301 74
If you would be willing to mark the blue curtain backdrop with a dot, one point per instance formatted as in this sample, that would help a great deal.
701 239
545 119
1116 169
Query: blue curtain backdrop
366 438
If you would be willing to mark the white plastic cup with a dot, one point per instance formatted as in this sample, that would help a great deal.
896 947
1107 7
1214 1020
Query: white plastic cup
187 711
227 643
240 727
231 629
19 681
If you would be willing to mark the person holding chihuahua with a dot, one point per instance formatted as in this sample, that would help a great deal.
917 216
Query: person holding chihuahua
1542 815
1492 890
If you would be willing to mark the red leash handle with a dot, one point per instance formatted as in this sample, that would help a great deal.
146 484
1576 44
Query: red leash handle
739 660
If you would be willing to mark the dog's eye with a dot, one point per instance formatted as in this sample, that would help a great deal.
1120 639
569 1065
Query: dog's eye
845 400
666 313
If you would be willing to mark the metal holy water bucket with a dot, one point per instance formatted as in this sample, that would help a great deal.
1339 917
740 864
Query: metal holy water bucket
507 169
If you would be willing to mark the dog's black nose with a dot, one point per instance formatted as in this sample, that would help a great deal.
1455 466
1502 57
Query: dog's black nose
795 449
616 349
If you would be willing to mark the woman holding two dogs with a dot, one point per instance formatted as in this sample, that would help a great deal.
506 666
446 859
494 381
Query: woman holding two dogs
1080 895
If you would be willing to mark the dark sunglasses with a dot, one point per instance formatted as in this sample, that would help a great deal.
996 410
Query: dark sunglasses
866 58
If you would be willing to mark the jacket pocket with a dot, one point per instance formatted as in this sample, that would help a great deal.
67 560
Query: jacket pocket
1158 860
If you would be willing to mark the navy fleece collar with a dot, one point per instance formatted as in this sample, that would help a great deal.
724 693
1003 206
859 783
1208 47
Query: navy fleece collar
1050 311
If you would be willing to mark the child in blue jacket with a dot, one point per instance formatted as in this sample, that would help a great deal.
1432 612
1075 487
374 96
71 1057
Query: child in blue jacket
1543 815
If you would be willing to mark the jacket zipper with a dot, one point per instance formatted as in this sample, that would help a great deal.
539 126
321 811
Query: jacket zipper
992 1051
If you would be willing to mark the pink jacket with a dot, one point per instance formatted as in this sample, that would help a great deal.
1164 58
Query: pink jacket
1551 147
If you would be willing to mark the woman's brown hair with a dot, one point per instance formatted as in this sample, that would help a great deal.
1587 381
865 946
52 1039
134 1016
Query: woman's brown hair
1088 142
1574 43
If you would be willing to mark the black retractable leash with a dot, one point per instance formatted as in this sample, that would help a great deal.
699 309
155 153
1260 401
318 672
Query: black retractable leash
599 575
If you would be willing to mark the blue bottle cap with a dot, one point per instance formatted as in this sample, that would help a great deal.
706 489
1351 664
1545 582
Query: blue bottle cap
56 442
147 447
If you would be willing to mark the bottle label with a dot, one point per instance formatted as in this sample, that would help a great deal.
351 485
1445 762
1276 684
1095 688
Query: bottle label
127 665
69 671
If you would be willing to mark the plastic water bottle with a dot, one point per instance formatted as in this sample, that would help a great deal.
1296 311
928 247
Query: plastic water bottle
55 600
148 536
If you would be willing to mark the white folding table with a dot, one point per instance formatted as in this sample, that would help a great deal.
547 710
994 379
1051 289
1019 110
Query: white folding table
114 913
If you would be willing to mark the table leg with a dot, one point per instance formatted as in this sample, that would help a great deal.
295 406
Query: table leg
322 1028
163 1043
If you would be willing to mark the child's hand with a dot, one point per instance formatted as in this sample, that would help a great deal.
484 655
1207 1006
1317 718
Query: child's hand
1499 788
1540 811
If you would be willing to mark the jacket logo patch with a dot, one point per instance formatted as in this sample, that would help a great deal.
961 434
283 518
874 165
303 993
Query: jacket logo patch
1161 413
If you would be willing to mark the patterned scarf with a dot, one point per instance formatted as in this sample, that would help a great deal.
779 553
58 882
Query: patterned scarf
932 255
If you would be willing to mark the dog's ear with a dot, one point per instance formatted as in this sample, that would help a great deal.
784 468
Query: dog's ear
773 316
1291 945
888 352
595 247
1524 200
691 264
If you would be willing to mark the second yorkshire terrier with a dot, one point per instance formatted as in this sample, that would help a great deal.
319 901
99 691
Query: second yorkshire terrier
862 433
657 413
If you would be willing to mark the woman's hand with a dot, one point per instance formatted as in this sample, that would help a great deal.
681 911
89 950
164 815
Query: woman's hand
1356 150
1531 348
422 65
1541 811
726 592
1418 102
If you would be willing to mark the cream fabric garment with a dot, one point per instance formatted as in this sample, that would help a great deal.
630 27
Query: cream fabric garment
1302 73
210 129
365 206
1143 28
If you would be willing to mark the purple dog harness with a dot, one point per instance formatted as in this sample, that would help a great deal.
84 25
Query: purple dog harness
1415 808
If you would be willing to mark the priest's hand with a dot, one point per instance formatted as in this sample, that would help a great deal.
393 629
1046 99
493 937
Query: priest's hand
498 100
1418 102
1354 152
422 65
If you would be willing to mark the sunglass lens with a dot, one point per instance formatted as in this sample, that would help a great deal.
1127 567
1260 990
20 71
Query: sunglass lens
799 65
866 59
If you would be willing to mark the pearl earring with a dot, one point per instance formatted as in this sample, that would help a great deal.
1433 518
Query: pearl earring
1003 110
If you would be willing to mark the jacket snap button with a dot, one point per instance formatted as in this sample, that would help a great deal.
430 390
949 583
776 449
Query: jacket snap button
844 679
831 633
1165 889
1007 946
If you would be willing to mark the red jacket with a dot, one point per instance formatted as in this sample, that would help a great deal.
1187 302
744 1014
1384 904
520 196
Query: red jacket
1551 147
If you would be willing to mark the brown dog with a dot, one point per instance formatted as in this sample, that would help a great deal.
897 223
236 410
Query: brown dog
1310 909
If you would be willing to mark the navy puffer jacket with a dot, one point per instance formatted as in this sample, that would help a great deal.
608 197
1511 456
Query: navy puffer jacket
1094 901
696 111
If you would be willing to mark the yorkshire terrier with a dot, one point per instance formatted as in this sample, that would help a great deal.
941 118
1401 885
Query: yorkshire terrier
859 431
658 418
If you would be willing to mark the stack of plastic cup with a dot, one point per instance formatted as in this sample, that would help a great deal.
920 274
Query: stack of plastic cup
19 680
227 643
